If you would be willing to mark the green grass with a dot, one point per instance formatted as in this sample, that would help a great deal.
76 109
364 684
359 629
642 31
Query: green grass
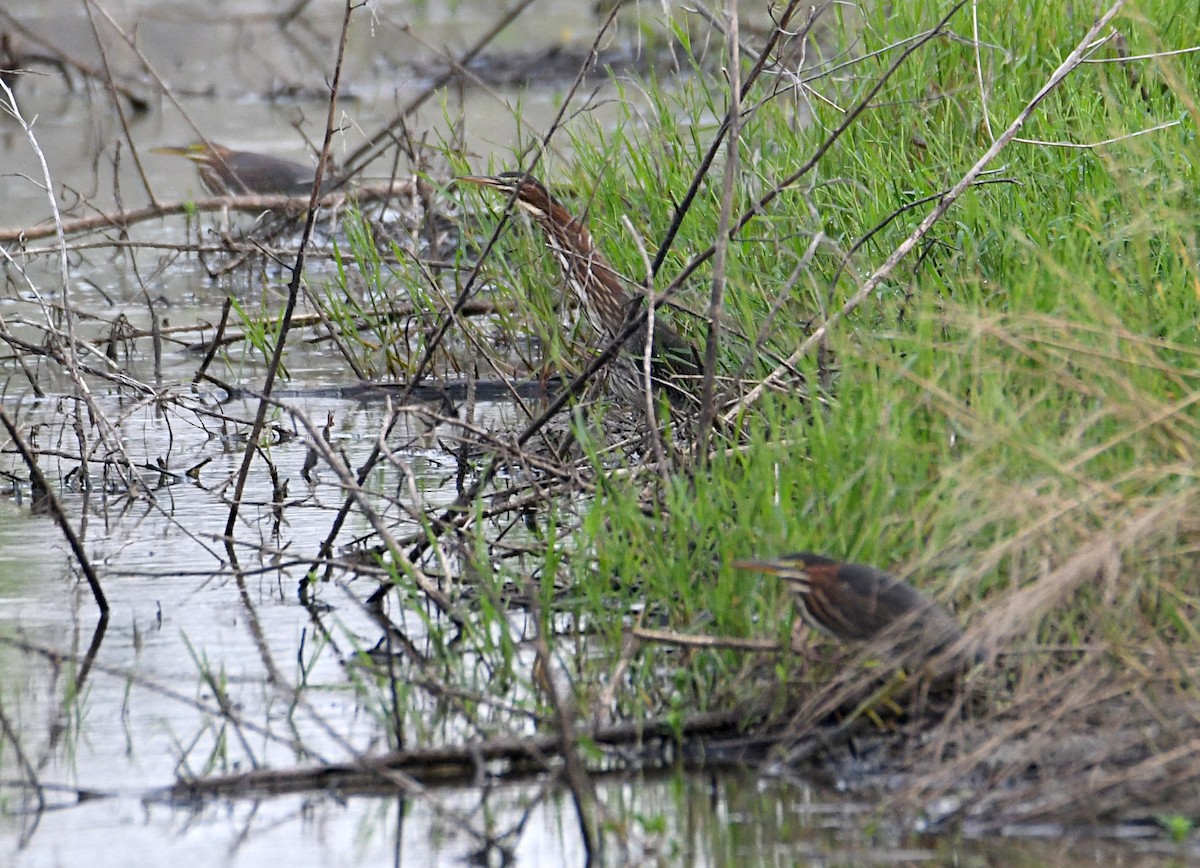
1019 388
1019 385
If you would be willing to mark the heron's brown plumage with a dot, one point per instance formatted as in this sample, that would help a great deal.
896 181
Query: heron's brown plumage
226 172
858 603
600 291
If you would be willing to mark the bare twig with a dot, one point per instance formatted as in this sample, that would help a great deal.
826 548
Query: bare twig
123 219
872 283
716 302
583 792
137 100
38 483
294 285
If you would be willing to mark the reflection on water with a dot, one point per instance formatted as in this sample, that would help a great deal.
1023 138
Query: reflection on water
198 674
679 819
240 80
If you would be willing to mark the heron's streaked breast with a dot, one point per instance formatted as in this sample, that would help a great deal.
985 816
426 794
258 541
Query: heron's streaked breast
533 210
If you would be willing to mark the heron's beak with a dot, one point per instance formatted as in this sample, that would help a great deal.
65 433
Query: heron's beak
189 151
771 568
481 180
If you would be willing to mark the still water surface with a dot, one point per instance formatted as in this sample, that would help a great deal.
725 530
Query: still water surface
180 624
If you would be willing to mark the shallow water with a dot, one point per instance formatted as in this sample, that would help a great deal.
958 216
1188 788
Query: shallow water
120 724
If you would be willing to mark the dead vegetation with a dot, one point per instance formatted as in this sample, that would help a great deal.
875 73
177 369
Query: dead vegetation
504 638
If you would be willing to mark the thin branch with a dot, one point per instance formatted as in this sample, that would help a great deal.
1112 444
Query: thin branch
38 483
1101 143
716 301
285 324
872 283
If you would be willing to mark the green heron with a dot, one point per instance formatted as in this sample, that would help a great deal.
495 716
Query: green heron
606 304
857 603
226 172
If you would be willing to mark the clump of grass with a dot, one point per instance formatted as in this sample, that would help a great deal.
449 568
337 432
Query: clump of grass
1016 392
1007 421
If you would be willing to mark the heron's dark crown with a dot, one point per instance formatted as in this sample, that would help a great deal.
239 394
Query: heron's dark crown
527 187
810 559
